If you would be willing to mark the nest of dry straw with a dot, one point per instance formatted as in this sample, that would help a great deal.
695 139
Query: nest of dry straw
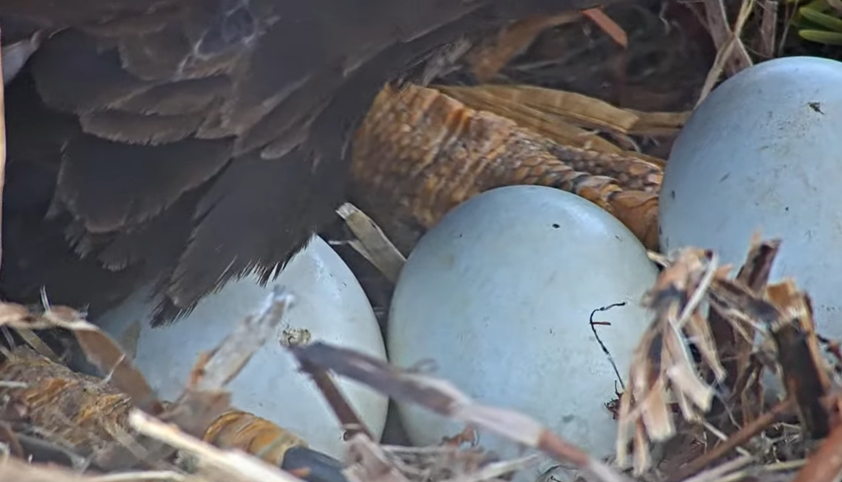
694 407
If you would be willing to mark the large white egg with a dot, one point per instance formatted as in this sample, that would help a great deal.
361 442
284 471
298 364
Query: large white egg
764 152
498 296
329 306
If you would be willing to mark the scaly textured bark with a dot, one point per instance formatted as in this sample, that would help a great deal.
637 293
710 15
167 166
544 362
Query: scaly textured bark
419 153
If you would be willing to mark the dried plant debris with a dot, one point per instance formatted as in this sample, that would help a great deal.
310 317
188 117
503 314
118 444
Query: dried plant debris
371 242
700 359
89 418
343 410
445 399
699 314
71 410
662 366
446 463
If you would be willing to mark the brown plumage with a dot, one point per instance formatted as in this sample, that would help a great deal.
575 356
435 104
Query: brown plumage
192 141
440 153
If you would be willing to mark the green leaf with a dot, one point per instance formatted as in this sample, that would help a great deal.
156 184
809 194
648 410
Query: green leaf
821 36
823 19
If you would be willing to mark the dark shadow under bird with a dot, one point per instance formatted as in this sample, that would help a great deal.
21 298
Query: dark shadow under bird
189 142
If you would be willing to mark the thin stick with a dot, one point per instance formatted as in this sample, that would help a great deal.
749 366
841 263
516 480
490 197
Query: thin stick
341 408
372 244
719 471
148 476
739 438
724 52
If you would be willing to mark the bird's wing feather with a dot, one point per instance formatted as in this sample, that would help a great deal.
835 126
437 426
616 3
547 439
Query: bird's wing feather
237 110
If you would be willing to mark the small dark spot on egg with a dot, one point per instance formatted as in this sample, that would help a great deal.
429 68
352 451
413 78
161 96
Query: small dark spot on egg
816 106
556 226
672 194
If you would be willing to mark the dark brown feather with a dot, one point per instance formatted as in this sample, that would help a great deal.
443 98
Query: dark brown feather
73 75
216 132
86 12
184 97
155 55
130 128
110 185
155 245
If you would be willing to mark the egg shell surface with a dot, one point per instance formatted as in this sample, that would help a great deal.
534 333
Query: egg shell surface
498 296
329 306
761 154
